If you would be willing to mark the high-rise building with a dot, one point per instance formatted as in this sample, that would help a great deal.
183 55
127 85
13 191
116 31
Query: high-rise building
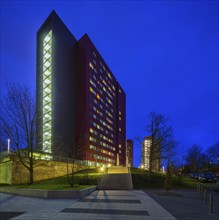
81 108
146 157
129 152
146 153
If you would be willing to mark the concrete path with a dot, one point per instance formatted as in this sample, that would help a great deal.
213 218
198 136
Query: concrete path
127 205
116 182
117 178
186 204
111 204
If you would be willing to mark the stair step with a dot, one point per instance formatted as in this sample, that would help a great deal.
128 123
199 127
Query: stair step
118 169
116 181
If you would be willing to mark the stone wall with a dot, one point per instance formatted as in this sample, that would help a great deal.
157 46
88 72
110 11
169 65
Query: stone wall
5 170
13 172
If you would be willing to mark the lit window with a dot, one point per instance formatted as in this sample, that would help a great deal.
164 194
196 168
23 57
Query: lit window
98 96
120 129
104 81
120 118
91 65
120 91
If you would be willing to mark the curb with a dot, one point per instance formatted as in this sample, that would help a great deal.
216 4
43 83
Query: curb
50 194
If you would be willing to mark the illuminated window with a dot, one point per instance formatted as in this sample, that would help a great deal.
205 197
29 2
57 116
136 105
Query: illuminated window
91 65
120 129
120 146
92 90
98 96
93 83
109 76
120 91
120 118
104 81
92 139
47 92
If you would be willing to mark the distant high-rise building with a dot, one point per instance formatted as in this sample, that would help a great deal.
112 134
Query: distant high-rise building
81 108
146 157
146 153
129 151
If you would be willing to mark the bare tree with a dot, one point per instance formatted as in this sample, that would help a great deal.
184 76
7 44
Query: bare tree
168 180
162 143
18 123
78 152
196 159
213 154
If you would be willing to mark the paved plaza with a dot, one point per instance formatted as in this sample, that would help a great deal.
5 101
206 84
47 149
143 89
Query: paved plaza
108 204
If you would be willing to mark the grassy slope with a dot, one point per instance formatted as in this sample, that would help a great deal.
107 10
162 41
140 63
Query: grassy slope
141 180
83 179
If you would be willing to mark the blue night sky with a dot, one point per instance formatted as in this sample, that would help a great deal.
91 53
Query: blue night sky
163 53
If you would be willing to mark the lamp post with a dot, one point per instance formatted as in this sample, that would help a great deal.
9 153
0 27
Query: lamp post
9 144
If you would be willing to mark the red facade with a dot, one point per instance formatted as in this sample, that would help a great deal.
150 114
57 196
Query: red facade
103 107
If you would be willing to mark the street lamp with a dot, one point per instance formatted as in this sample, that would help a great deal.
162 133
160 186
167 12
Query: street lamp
9 144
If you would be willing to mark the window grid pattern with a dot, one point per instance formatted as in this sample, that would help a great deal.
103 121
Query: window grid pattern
47 92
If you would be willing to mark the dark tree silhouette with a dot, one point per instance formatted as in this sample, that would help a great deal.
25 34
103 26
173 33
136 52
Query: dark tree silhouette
18 123
213 153
162 143
195 158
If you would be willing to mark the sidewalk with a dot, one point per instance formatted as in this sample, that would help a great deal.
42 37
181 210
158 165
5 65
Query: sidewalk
104 204
186 204
111 204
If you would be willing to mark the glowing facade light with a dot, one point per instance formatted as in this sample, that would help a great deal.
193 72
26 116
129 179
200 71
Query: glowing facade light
47 92
9 144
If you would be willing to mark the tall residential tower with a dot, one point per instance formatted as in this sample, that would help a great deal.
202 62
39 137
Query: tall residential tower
81 108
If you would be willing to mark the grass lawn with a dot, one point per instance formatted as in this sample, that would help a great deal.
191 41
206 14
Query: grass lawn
142 180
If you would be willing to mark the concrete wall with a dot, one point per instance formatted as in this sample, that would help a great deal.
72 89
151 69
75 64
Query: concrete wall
5 170
52 194
13 172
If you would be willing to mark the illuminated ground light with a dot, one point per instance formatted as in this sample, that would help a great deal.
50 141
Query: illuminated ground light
47 92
